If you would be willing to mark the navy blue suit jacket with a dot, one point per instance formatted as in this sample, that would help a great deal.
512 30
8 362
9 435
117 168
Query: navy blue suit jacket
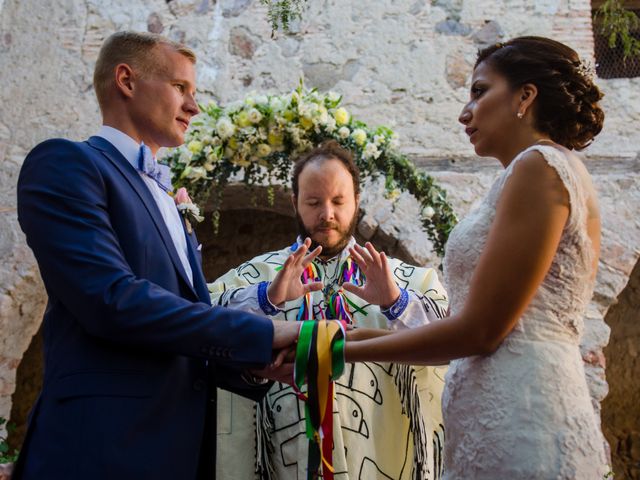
133 352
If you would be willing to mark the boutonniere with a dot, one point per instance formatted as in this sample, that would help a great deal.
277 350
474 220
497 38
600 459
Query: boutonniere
189 210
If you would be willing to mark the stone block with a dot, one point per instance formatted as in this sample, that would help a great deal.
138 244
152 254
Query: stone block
234 8
491 33
242 43
453 27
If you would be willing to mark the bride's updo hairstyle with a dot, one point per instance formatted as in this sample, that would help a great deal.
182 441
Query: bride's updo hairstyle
566 107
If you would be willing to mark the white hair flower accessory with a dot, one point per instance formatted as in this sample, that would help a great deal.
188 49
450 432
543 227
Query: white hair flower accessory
587 69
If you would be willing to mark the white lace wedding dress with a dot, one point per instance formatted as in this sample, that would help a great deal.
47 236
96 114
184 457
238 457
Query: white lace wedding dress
524 412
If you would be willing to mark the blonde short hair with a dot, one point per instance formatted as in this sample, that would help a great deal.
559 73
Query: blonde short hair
136 50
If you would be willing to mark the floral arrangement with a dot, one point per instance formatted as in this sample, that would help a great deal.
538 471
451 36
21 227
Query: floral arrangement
256 141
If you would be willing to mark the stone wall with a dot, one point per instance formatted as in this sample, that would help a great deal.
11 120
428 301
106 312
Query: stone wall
404 63
621 408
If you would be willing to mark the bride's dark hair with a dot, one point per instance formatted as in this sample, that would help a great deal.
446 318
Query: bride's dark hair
566 107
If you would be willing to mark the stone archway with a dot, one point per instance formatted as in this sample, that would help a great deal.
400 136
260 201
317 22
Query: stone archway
29 376
621 407
249 225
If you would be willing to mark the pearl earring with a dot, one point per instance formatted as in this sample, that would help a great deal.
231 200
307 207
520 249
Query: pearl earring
520 115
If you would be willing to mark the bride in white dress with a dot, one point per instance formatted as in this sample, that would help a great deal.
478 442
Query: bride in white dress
520 271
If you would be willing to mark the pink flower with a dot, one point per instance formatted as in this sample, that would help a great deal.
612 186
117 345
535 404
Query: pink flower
182 196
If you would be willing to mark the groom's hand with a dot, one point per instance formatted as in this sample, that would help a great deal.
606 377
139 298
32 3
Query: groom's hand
281 368
288 285
380 288
285 334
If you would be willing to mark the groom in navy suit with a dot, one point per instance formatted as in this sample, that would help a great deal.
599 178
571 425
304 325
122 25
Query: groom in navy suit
133 349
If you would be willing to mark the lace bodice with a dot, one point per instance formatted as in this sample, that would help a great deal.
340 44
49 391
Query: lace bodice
549 314
524 411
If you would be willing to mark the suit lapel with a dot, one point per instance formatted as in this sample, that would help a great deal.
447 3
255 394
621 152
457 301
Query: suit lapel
137 183
199 282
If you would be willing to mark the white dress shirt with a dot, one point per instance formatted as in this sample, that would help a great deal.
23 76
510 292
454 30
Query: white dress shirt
130 149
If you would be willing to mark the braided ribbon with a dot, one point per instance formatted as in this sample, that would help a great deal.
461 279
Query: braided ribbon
338 305
319 361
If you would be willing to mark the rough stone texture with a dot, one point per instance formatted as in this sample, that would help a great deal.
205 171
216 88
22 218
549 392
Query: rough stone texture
30 375
396 63
489 34
241 43
621 408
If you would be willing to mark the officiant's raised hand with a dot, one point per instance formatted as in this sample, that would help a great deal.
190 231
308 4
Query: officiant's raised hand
288 283
380 288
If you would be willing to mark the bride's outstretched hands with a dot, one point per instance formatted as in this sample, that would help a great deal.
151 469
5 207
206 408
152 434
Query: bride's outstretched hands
380 287
287 285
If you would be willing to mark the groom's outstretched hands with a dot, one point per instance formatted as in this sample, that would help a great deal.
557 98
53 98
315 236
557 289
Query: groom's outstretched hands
380 288
288 284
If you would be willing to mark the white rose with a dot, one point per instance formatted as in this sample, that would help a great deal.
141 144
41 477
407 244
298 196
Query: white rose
225 128
261 100
344 132
428 212
233 107
254 115
371 150
333 96
331 125
321 116
197 173
276 104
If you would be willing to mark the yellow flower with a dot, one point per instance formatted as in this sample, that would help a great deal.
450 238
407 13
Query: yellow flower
359 136
233 143
275 139
242 120
194 146
240 160
263 149
341 115
306 123
393 194
289 115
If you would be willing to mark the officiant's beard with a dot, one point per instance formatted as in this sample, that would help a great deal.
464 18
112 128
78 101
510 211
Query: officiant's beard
328 251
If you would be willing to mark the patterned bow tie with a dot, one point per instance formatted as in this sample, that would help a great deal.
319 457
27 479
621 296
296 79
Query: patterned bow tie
152 169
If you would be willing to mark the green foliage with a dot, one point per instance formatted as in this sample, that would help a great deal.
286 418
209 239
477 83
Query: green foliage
5 455
281 12
617 24
256 140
